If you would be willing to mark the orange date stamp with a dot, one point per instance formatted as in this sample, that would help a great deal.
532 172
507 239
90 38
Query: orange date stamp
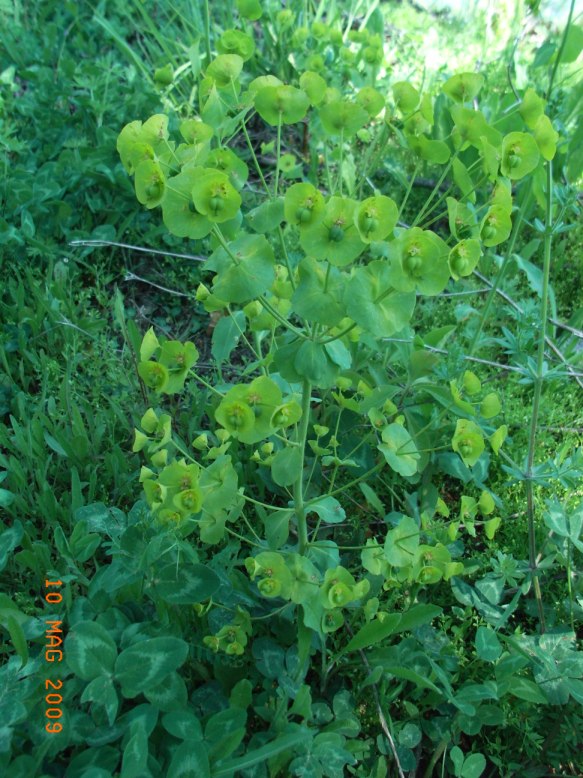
53 653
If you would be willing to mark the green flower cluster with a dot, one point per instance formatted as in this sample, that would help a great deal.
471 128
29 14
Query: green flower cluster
468 439
232 637
168 373
252 412
295 578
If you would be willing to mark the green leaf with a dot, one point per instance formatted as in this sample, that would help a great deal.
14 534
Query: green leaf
101 691
261 755
183 724
285 466
417 615
406 96
372 498
399 450
474 766
531 108
226 335
267 216
401 543
150 183
463 87
546 137
373 303
214 196
135 755
89 650
488 647
225 69
281 103
328 509
148 662
463 180
248 275
224 732
420 262
520 155
573 44
313 363
376 218
179 214
277 528
171 694
373 632
334 236
434 151
303 205
464 258
9 539
190 761
186 584
340 117
318 295
16 635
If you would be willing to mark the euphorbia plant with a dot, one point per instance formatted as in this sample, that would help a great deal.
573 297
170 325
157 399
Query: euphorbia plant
322 286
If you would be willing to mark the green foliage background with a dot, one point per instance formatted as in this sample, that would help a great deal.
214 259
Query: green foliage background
71 322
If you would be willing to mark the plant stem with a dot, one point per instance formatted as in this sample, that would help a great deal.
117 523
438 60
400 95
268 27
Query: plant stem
501 270
276 187
537 396
207 31
409 188
341 162
254 157
299 505
439 182
561 49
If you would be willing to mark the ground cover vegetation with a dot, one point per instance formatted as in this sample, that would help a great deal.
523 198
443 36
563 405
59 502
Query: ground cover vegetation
290 387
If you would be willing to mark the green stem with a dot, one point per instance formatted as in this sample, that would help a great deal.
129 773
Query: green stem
341 489
286 258
341 162
299 505
500 274
276 187
254 157
208 386
435 190
561 49
409 188
537 396
207 31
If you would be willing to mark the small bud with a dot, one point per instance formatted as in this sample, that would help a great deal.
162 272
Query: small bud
201 442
